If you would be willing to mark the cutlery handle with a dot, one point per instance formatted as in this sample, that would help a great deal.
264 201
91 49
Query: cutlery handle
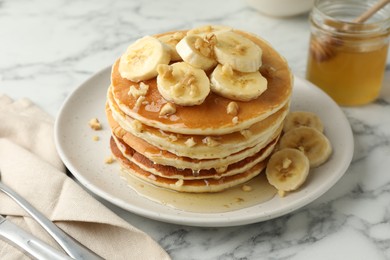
72 247
31 245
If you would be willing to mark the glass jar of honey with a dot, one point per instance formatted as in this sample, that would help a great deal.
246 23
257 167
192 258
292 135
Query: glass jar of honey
347 58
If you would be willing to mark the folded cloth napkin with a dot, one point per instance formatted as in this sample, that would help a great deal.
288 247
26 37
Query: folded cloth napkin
30 165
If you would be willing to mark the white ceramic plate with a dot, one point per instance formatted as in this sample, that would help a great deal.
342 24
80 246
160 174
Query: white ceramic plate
85 157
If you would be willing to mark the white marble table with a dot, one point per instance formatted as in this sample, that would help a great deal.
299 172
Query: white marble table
48 48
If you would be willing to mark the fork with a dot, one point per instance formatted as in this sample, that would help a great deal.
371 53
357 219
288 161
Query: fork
72 247
30 245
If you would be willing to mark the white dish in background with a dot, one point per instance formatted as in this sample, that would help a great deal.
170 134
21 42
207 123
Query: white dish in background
85 157
281 8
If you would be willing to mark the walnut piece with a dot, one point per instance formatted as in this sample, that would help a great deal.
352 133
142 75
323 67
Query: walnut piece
95 124
165 71
232 108
141 91
246 133
137 125
246 188
139 102
179 183
210 141
168 109
221 169
190 142
110 159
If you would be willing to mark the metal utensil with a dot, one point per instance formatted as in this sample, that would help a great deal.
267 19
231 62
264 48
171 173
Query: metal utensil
72 247
32 246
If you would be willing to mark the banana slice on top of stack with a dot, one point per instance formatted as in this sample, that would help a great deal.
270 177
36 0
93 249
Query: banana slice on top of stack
236 77
302 146
192 111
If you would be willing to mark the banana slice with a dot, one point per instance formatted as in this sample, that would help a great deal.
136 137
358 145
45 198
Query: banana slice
310 141
141 59
287 169
197 51
171 41
302 118
206 29
183 84
237 85
237 51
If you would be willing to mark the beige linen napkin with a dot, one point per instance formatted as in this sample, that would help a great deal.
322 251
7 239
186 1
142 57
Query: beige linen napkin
29 164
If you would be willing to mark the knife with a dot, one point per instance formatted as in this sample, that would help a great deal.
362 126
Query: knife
34 247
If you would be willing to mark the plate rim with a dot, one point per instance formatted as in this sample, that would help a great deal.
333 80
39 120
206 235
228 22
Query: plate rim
195 220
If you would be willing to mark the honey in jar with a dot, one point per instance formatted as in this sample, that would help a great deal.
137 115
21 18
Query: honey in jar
348 59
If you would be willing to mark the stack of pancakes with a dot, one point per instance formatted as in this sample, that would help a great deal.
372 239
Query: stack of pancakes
198 148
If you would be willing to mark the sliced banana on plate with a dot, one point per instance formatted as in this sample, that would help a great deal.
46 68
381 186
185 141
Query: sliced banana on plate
287 169
314 144
183 84
198 51
239 52
141 59
237 85
302 118
171 41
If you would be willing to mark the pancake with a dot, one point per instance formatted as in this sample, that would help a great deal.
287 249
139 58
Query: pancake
167 158
197 186
224 145
210 117
188 174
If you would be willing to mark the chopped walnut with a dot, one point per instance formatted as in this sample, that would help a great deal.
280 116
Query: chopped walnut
179 89
221 169
190 142
235 120
246 188
139 102
165 71
137 92
179 183
152 177
137 125
173 138
188 79
205 45
246 133
281 193
210 141
95 124
110 159
178 35
232 108
173 39
95 138
211 39
168 109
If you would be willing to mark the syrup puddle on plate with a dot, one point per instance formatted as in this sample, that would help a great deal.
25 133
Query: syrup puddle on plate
231 199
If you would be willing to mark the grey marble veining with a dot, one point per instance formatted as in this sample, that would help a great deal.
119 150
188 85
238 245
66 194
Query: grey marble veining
48 48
